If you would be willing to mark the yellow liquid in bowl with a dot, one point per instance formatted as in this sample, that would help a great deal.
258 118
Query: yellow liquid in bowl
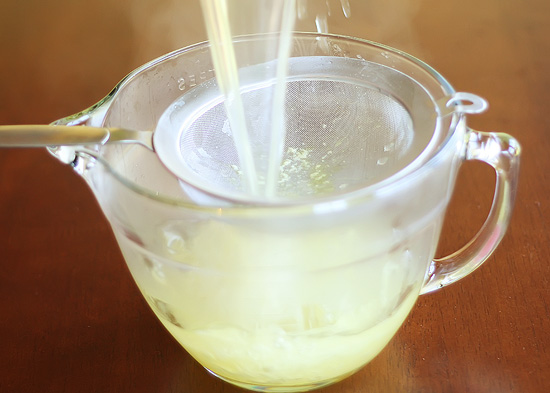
257 322
272 357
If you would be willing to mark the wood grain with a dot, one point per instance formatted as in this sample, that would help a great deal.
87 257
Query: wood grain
72 318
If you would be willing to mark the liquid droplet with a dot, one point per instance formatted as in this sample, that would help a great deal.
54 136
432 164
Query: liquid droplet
327 2
346 8
382 161
322 23
301 7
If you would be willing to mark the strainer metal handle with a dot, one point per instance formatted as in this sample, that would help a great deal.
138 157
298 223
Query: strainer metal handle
39 135
502 152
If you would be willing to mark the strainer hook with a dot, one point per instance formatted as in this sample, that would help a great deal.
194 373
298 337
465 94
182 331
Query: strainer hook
462 102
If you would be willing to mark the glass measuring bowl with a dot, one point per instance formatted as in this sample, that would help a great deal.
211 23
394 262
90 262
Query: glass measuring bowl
291 296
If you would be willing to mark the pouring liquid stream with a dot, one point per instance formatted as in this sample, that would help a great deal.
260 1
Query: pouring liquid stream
260 166
258 180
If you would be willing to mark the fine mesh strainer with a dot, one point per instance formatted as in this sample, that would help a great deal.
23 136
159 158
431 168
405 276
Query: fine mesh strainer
349 123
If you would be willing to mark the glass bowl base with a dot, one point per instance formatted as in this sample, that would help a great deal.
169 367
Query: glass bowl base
283 388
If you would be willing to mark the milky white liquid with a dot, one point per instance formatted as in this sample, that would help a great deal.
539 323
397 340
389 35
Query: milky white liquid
271 356
279 307
276 326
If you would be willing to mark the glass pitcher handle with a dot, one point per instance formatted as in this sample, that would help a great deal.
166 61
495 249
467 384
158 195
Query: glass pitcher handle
502 152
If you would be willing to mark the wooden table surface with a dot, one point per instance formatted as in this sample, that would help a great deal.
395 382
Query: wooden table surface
72 320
